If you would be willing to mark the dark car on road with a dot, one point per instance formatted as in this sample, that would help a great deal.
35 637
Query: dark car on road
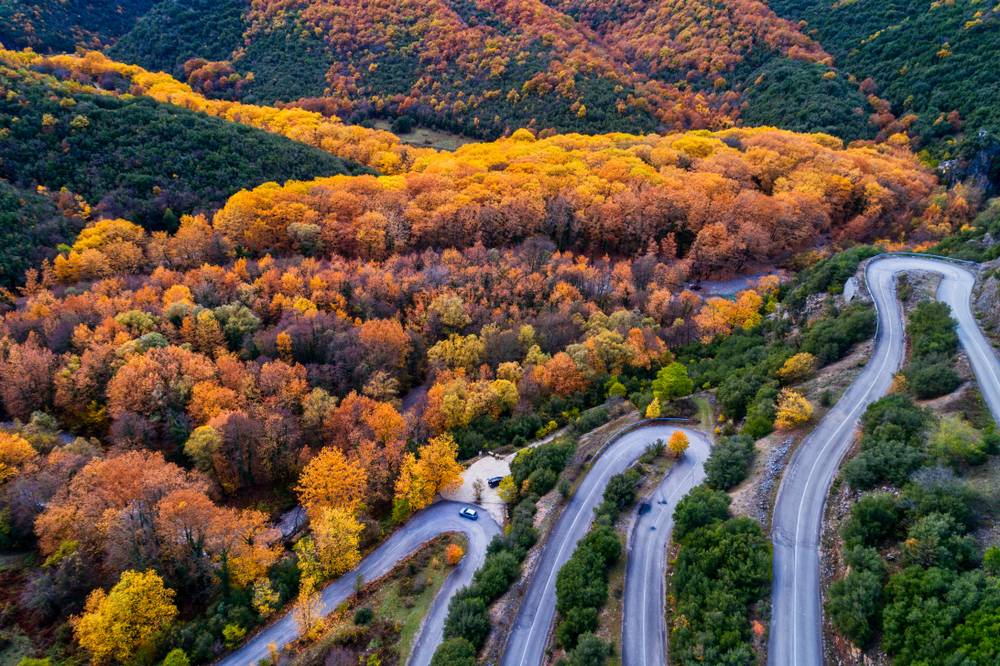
494 481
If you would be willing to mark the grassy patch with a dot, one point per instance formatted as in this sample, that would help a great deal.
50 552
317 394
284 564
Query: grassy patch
382 621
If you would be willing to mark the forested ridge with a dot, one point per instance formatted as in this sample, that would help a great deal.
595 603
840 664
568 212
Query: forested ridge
933 61
100 155
482 68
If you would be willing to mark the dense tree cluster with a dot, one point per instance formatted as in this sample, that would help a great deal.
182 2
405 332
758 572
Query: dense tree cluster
933 584
931 60
103 155
720 200
62 25
380 150
723 568
933 341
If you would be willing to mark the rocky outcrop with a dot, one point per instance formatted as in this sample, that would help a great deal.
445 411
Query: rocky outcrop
986 300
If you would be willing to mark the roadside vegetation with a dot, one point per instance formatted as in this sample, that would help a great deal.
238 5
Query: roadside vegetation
721 571
378 624
916 565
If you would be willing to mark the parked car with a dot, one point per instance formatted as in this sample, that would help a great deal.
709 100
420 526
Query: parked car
469 512
494 481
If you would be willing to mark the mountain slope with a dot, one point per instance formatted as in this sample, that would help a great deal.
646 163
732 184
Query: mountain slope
487 67
935 60
134 157
60 25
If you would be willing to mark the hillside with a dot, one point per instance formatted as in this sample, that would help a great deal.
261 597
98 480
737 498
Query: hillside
125 156
60 25
934 61
485 68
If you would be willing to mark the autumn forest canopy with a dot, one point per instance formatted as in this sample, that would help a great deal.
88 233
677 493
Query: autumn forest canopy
227 290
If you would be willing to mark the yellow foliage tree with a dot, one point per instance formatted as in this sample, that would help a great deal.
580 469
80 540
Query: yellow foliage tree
797 367
126 622
793 410
330 480
678 443
308 609
653 409
507 489
422 478
337 534
15 453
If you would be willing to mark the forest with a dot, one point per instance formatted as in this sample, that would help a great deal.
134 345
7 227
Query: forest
932 62
223 296
567 66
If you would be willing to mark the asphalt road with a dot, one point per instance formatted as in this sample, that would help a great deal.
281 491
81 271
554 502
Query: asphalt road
530 630
796 615
644 627
422 527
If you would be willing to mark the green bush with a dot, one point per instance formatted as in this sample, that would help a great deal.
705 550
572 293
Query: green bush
874 520
589 651
955 442
830 338
699 508
454 652
932 379
468 618
853 604
582 583
828 275
729 462
721 571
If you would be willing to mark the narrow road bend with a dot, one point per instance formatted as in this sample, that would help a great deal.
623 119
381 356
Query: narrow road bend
796 632
644 623
533 623
437 519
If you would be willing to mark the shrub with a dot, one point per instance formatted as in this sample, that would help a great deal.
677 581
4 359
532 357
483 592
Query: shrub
582 583
455 652
793 410
591 419
931 379
797 367
729 462
874 520
956 442
453 554
883 462
701 507
467 619
936 490
853 604
937 540
619 494
672 382
363 616
830 339
589 651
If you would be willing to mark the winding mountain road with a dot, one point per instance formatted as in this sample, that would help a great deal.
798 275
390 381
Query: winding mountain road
436 519
796 635
644 625
531 628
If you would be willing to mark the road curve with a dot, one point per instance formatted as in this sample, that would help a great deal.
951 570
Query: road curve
436 519
530 630
644 626
796 635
